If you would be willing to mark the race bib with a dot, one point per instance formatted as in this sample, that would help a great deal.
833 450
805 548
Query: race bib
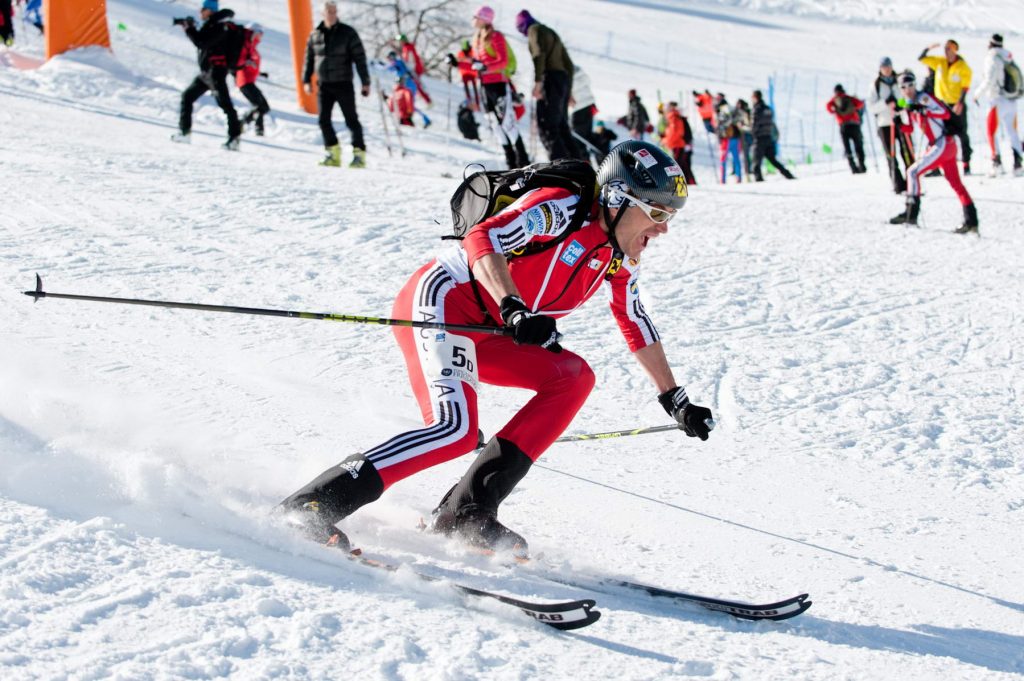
448 357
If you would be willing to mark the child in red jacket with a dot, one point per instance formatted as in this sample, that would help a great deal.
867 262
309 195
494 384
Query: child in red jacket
247 75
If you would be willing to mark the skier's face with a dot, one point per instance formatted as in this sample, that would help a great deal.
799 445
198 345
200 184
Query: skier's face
635 230
205 14
885 71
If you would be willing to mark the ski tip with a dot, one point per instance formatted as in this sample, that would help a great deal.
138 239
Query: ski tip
38 292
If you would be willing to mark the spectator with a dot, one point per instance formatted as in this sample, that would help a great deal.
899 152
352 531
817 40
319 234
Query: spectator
218 41
952 82
847 111
728 139
247 75
332 50
6 22
491 62
744 121
1003 108
763 130
636 118
400 102
706 108
552 75
882 101
678 139
583 107
603 139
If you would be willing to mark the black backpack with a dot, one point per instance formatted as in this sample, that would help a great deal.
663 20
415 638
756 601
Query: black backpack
485 192
234 39
467 123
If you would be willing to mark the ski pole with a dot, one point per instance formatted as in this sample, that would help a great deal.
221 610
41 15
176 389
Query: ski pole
710 423
326 316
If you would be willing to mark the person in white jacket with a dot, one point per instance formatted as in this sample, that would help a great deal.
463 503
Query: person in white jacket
582 106
1002 109
898 147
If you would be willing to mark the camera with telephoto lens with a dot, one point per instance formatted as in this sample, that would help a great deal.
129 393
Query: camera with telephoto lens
183 21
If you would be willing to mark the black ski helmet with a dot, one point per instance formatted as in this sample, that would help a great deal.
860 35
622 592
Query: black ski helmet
644 171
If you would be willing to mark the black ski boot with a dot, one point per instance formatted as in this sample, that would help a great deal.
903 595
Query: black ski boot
470 509
332 496
908 216
1017 168
970 221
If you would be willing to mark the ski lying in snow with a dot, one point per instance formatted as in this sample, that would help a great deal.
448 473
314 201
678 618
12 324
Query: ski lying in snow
563 615
782 610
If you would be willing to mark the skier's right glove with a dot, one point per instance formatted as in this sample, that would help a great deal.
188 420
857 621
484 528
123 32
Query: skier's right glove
452 61
529 328
479 66
694 420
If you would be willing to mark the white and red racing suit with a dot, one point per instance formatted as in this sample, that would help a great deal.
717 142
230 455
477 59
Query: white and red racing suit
941 151
445 368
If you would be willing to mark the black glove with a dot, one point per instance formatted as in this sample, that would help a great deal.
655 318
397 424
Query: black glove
694 420
529 328
452 61
914 106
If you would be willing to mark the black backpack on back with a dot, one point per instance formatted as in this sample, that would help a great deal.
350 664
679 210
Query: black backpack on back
485 192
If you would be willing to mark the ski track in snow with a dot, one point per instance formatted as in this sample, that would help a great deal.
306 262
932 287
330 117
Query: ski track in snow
865 379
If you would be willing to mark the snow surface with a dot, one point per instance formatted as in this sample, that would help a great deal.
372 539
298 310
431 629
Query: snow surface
866 380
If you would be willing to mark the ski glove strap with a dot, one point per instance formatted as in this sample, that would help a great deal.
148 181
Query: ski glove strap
529 328
694 420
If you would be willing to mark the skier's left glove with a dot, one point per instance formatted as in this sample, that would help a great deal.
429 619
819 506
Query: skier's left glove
450 58
694 420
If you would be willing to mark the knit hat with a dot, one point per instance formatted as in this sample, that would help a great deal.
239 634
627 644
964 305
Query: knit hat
598 124
212 5
997 40
631 94
839 89
886 62
255 28
908 78
523 21
484 14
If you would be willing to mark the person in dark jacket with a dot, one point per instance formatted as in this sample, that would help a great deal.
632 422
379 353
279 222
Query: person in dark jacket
332 50
552 74
636 118
602 138
763 130
219 42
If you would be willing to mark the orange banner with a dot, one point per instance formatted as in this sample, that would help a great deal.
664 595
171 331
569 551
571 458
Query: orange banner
71 24
300 13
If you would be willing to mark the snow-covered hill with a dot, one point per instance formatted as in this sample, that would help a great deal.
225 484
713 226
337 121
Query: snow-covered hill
866 379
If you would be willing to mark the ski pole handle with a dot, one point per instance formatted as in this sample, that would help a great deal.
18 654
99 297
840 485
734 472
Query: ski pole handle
710 423
296 314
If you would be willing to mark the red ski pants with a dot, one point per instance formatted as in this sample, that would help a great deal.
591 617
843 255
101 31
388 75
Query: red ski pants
445 369
940 155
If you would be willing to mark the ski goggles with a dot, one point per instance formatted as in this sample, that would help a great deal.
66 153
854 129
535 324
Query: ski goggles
656 214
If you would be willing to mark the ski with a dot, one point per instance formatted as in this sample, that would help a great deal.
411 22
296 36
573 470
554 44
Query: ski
562 615
782 610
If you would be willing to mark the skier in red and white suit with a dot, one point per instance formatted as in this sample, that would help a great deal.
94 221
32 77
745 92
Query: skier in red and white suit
930 115
641 189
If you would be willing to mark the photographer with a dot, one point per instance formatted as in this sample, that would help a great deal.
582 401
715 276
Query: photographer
219 43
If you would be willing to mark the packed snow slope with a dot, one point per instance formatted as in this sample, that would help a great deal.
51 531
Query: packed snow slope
866 381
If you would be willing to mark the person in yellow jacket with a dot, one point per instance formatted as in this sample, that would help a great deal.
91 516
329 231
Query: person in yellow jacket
952 81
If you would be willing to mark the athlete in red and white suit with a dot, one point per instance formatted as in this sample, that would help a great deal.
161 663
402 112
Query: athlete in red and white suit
929 114
526 292
554 282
